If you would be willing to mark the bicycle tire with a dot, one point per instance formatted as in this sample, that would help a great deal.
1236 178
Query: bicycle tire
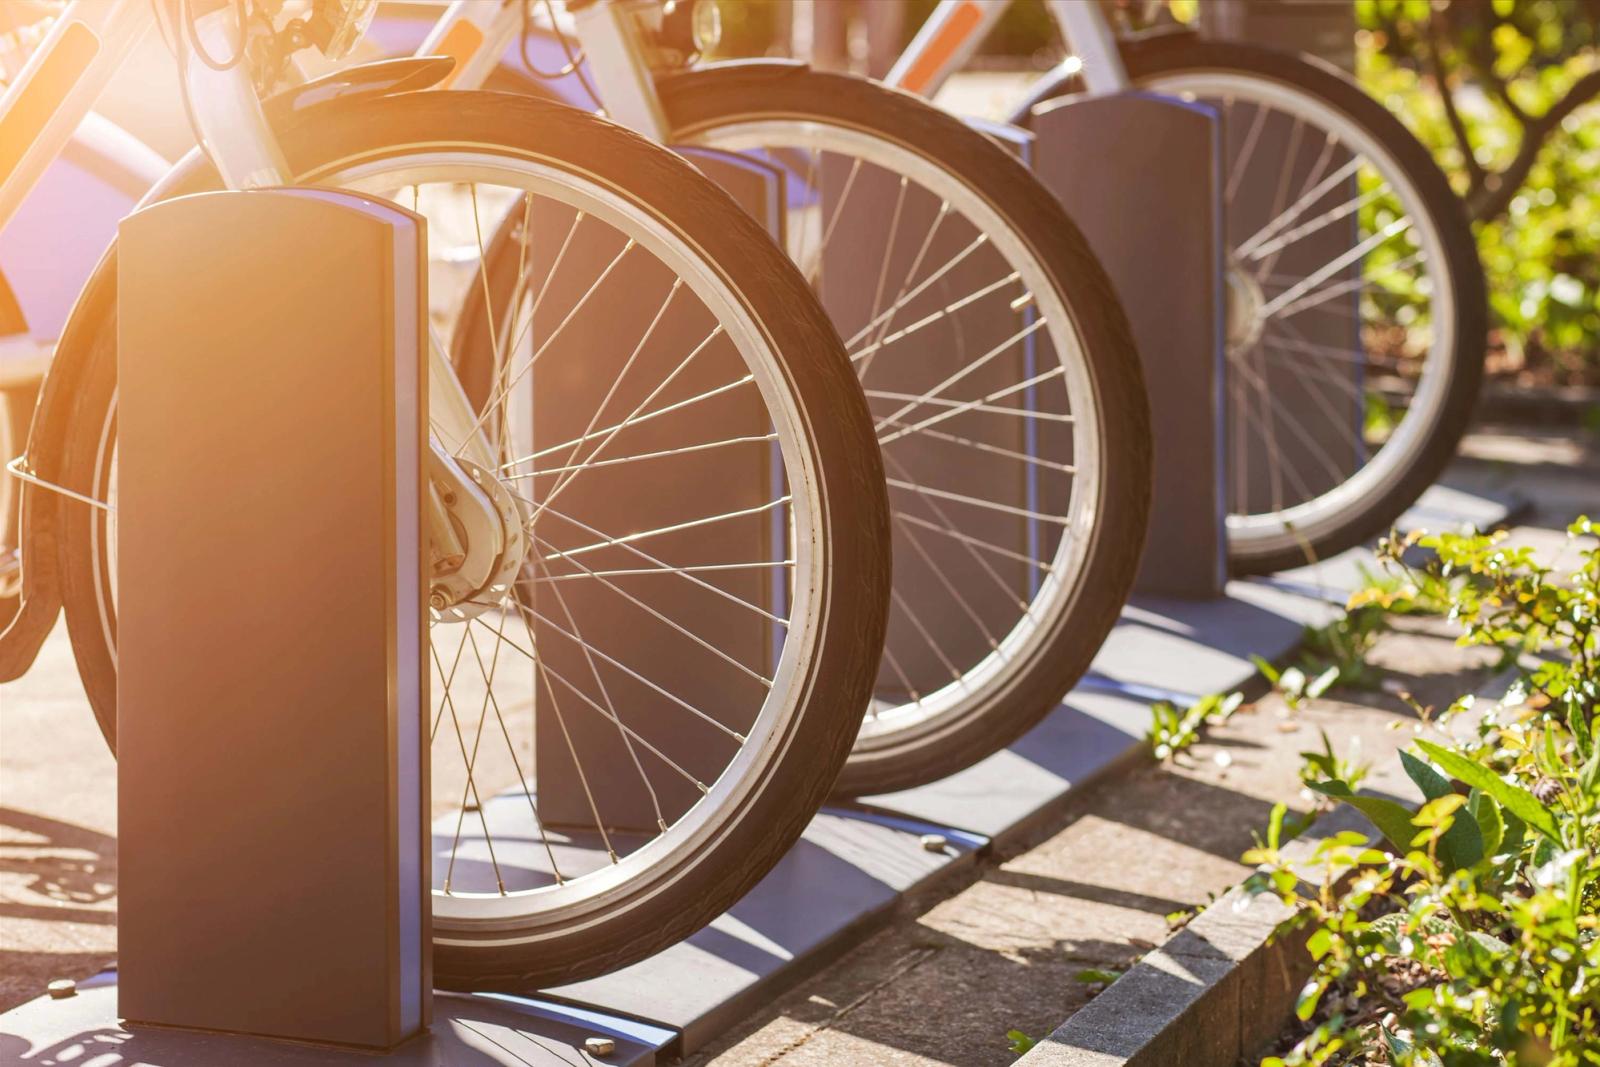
1358 516
664 909
745 95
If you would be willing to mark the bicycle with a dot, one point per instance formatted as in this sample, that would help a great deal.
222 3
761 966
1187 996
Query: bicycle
1356 304
1003 380
773 717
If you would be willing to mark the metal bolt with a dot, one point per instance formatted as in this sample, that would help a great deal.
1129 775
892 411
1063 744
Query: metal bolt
934 842
62 988
599 1046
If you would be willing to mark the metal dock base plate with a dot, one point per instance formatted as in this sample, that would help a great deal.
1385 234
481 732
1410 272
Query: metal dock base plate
482 1030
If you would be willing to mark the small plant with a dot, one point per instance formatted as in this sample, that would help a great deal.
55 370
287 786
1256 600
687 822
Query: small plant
1344 644
1019 1042
1171 730
1293 684
1327 764
1470 934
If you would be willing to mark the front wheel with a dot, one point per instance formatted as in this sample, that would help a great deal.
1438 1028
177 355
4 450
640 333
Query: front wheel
1005 388
640 714
1356 306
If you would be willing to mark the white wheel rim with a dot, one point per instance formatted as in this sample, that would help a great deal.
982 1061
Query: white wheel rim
1016 650
530 915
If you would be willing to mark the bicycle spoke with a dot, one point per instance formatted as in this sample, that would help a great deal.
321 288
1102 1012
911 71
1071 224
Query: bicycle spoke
927 320
616 382
544 346
978 502
522 778
976 542
983 404
641 457
1237 170
691 635
627 742
981 446
967 369
678 527
932 504
943 269
639 415
691 569
690 578
1320 297
1320 222
476 799
1306 200
1328 270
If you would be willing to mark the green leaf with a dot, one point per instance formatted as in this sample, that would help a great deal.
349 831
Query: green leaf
1268 671
1513 798
1460 844
1419 999
1391 819
1431 782
1322 682
1091 975
1020 1042
1275 826
1305 1005
1491 828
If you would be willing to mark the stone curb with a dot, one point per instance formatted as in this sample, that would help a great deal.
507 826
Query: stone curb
1215 991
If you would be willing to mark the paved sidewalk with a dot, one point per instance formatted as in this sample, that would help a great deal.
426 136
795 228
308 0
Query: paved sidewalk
58 830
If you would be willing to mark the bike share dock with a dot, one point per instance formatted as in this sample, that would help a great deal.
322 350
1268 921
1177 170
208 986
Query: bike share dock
210 972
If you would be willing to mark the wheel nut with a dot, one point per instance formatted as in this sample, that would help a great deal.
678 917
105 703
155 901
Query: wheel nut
62 988
599 1046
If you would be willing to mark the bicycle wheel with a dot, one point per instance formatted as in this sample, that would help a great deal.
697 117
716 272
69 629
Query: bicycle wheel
1005 389
686 709
1357 314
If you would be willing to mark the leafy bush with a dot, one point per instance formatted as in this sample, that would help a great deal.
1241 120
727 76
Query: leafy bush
1469 935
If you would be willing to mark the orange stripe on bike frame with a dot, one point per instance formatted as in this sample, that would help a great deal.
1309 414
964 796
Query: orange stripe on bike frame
461 42
950 38
60 70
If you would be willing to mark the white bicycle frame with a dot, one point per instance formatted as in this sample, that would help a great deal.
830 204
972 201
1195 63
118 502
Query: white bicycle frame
476 34
956 28
69 70
59 85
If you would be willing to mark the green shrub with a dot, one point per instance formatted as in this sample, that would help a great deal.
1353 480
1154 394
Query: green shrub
1469 934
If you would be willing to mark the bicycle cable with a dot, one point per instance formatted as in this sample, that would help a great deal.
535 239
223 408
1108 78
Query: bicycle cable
190 23
184 39
574 59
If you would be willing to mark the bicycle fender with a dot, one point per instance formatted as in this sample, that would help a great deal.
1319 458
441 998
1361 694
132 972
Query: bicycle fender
383 77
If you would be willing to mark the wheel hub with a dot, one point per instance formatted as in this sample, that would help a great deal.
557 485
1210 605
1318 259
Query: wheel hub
1244 301
479 560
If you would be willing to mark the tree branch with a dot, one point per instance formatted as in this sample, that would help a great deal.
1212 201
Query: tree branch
1476 175
1490 199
